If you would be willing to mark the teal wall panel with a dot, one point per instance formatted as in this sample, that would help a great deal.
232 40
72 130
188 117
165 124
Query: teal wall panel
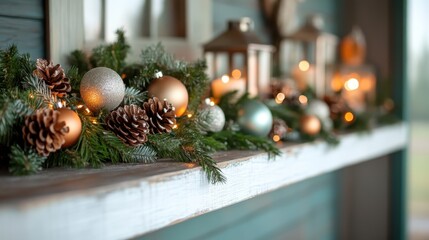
22 22
306 210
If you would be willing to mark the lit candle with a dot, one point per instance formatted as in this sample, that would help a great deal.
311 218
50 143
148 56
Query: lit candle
303 74
227 84
353 93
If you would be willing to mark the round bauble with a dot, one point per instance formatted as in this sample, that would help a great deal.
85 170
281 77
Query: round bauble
310 124
72 120
254 118
102 87
212 118
171 89
318 108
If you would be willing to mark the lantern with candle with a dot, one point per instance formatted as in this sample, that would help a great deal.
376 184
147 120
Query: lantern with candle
354 80
314 51
237 60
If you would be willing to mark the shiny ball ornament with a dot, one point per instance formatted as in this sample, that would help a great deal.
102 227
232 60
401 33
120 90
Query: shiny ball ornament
318 108
72 120
254 118
310 124
102 87
171 89
212 118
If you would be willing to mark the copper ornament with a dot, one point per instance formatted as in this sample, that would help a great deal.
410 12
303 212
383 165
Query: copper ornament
172 90
72 120
310 125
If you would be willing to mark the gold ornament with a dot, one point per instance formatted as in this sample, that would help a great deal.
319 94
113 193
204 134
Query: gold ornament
310 125
102 87
170 89
72 120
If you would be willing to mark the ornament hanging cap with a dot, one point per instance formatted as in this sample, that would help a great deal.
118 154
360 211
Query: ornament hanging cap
158 74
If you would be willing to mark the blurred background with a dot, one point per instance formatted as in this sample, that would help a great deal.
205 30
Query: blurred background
418 71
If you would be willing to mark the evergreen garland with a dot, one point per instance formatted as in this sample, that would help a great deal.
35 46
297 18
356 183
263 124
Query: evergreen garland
22 94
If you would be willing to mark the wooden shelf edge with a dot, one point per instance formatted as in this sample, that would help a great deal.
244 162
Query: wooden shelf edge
141 205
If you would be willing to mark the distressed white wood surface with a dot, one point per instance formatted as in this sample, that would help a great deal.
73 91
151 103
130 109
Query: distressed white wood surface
136 205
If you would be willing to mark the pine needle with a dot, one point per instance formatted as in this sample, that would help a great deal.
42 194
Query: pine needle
24 162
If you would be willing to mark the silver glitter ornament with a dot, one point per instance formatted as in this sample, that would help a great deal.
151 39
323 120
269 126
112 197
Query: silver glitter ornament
102 87
212 118
254 118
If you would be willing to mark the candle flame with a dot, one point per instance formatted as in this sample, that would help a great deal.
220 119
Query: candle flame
351 84
225 78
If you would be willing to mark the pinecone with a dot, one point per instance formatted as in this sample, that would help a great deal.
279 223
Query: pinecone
129 123
43 131
162 116
53 76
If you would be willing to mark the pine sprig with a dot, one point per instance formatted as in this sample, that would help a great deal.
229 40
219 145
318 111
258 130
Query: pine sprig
187 144
39 90
23 162
134 96
142 153
11 110
79 60
112 55
14 67
236 140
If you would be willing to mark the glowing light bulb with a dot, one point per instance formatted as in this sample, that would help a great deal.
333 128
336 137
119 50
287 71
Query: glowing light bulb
280 98
304 65
351 84
225 78
175 126
348 117
276 138
189 115
303 99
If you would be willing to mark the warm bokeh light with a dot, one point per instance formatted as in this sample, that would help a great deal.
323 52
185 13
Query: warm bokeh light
87 110
348 117
189 115
225 78
31 95
304 65
175 126
367 83
351 84
276 138
79 106
236 74
303 99
337 82
279 98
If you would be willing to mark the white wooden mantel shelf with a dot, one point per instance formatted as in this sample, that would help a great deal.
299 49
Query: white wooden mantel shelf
129 200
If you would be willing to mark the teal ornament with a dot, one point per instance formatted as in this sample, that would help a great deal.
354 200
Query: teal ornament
254 118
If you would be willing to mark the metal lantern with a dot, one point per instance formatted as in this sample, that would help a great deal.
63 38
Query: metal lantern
316 51
238 60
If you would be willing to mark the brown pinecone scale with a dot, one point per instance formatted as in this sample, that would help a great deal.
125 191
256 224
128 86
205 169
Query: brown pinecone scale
129 123
54 77
162 116
43 131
